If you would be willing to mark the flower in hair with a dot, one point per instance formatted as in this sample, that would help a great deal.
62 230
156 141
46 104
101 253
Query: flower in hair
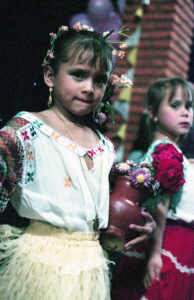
124 81
86 27
121 54
114 79
64 28
124 46
52 35
105 33
78 26
114 52
50 54
100 118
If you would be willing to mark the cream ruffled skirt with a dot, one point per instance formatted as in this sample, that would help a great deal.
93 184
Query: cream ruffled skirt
46 263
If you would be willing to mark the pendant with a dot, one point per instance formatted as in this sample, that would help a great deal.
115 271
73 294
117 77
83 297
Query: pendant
96 223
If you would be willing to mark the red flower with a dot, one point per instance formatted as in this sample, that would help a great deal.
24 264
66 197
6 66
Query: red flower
165 152
170 174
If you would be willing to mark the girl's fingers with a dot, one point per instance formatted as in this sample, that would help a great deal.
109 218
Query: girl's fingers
135 242
157 273
149 278
149 226
147 281
145 231
149 221
142 229
151 275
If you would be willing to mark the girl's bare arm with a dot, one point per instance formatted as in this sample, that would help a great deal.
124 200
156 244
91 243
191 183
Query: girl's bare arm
154 264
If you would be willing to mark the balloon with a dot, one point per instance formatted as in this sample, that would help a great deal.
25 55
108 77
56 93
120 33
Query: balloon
99 10
82 18
113 22
121 5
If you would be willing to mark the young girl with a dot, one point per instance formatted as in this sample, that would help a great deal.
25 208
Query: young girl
167 271
54 180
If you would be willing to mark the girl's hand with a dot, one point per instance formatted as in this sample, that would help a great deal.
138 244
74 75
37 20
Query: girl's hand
145 230
153 269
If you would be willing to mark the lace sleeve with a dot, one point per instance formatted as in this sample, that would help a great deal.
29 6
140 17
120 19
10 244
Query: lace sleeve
11 162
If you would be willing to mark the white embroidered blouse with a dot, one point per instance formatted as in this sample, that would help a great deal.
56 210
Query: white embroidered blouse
44 177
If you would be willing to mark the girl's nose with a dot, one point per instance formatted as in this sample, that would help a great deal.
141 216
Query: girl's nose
185 112
88 86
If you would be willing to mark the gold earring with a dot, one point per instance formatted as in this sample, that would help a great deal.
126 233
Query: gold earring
50 100
155 119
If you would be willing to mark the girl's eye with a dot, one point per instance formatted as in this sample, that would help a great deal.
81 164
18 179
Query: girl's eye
78 74
188 105
174 104
101 80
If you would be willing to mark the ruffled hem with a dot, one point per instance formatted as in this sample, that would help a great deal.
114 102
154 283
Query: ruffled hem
47 263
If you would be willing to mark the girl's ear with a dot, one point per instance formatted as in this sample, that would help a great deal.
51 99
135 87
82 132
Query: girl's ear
151 114
48 76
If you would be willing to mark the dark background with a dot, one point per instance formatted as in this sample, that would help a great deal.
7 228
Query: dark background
24 35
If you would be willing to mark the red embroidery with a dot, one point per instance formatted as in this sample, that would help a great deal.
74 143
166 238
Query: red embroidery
25 135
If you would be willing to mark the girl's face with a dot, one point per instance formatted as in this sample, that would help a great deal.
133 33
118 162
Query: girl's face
175 117
78 87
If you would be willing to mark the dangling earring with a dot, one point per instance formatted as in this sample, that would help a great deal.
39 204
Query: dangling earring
155 119
50 100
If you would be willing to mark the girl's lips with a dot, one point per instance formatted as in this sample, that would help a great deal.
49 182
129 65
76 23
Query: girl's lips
84 100
184 124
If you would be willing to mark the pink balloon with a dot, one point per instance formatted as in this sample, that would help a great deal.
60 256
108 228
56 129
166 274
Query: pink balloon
99 10
82 18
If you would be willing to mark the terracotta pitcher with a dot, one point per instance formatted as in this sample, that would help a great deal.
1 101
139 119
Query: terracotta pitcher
123 211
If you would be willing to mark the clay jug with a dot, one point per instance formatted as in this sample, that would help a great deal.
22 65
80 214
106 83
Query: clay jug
123 211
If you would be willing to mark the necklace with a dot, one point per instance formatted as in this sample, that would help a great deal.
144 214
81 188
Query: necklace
96 219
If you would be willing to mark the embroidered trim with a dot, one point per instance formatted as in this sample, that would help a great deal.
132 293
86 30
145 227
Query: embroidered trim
47 130
182 269
28 134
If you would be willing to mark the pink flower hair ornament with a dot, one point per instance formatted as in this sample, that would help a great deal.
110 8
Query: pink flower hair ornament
77 26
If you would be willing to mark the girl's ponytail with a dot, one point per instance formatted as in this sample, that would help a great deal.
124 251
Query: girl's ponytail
145 132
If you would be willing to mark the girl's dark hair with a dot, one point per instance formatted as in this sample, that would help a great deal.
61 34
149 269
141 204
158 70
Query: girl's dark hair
154 97
88 45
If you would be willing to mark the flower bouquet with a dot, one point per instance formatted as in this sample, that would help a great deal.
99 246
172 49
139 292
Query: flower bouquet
134 186
163 176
